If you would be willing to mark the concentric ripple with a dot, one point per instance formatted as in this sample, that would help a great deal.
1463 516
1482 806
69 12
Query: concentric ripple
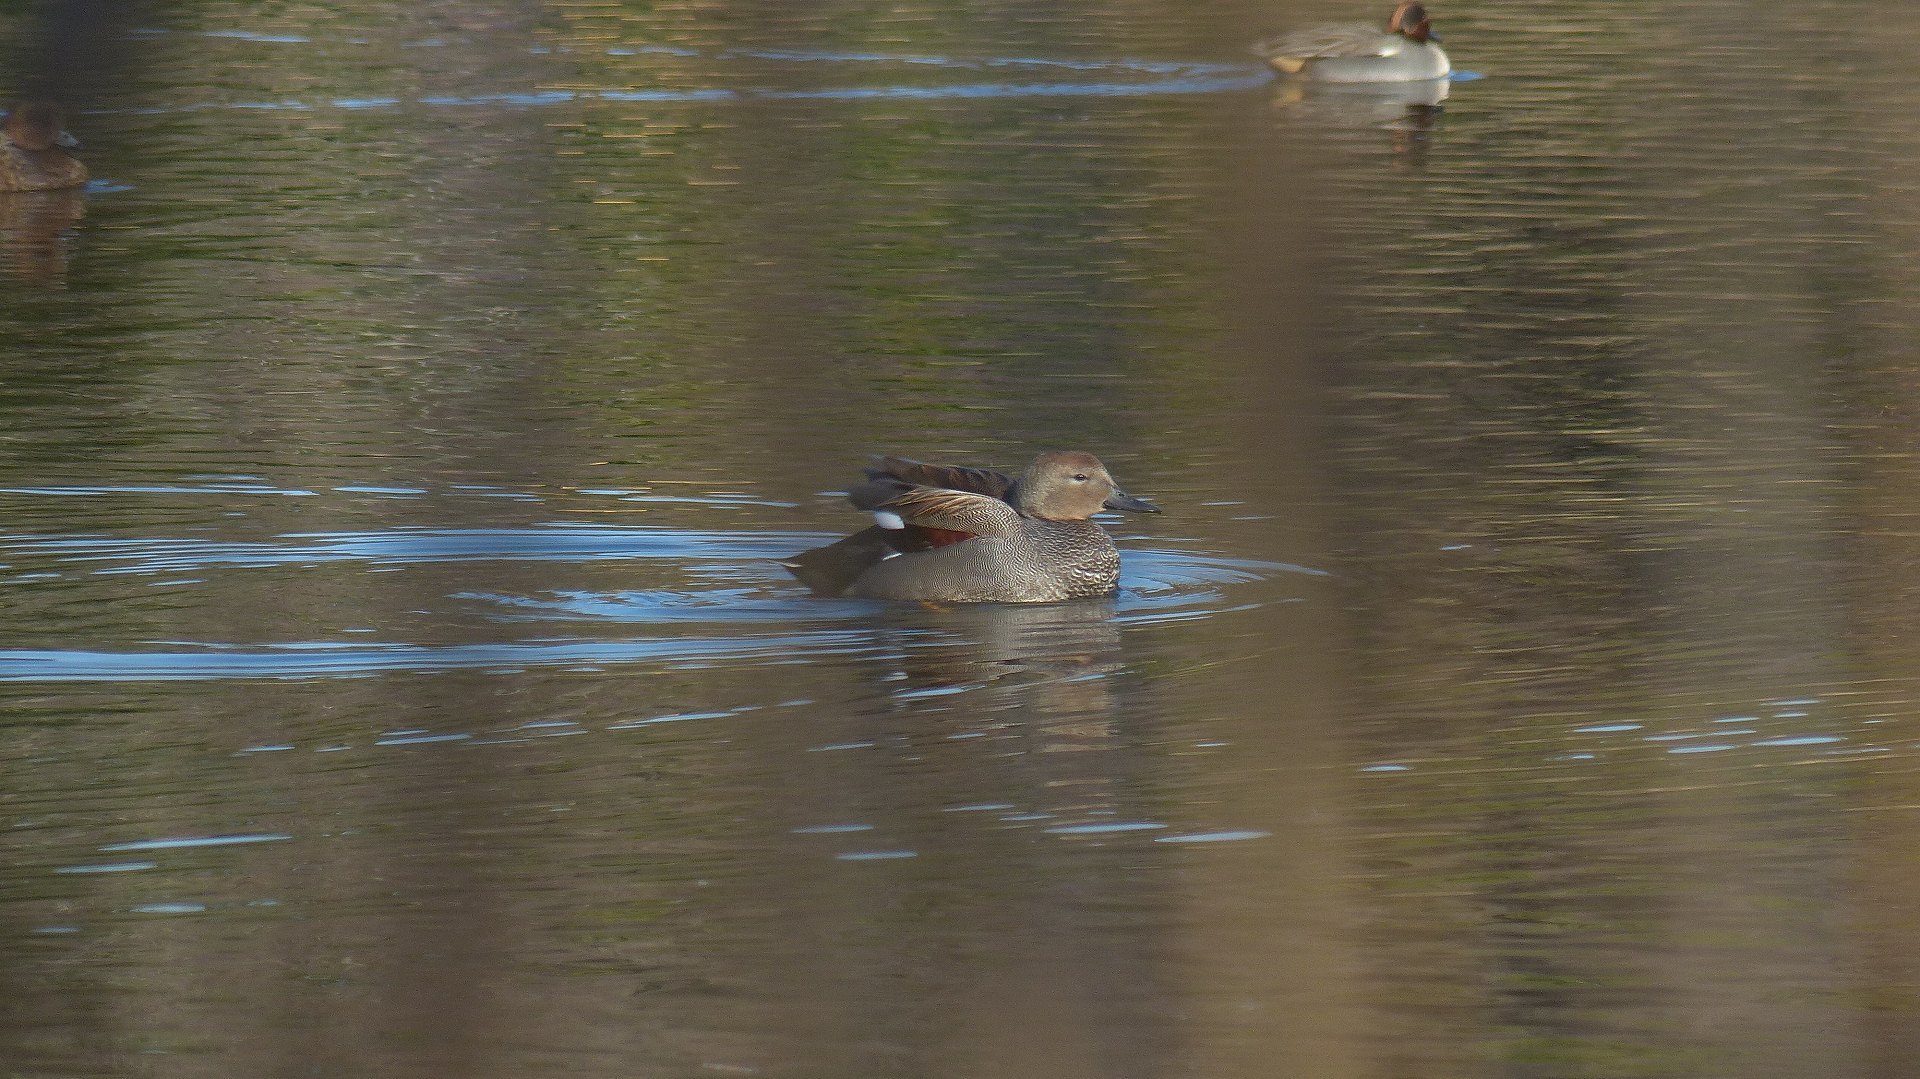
737 608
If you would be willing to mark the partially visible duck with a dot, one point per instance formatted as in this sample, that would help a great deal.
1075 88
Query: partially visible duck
971 535
33 150
1404 52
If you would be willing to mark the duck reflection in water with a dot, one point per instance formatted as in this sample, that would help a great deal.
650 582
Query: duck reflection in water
1392 79
992 556
1408 112
1031 686
971 535
39 191
33 232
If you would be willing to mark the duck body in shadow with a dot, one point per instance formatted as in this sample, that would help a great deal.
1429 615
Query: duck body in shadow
33 150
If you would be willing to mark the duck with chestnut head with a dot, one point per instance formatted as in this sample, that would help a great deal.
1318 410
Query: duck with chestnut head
1407 50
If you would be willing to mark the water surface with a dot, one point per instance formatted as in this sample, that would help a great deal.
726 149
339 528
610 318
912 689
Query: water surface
404 429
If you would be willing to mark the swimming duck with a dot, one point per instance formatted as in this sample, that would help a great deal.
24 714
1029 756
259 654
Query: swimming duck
33 150
1403 52
972 535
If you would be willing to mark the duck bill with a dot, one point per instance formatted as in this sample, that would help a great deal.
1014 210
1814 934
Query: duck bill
66 140
1120 500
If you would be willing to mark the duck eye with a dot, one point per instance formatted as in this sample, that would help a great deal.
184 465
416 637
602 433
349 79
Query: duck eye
1079 477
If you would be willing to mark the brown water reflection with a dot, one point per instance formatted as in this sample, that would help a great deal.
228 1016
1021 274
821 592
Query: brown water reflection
399 681
33 233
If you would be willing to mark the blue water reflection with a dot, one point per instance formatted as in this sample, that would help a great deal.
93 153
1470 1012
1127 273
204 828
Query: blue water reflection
1157 586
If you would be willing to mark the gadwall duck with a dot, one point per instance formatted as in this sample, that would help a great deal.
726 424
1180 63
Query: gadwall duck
33 150
1404 52
972 535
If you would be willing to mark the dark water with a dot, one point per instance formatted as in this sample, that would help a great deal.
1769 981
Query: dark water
401 432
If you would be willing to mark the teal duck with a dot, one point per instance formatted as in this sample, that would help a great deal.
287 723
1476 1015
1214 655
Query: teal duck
1406 51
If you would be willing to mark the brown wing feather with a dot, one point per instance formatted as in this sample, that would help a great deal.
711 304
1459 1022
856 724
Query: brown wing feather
982 481
1320 42
953 511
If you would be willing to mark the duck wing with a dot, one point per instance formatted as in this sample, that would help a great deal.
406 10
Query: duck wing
945 516
983 481
1321 42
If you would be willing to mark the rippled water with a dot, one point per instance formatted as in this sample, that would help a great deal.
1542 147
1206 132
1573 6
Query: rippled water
403 430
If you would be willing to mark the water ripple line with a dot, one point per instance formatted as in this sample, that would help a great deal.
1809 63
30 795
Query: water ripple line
326 660
1157 77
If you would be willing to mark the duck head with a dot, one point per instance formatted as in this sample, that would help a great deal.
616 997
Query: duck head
1067 485
37 125
1410 21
